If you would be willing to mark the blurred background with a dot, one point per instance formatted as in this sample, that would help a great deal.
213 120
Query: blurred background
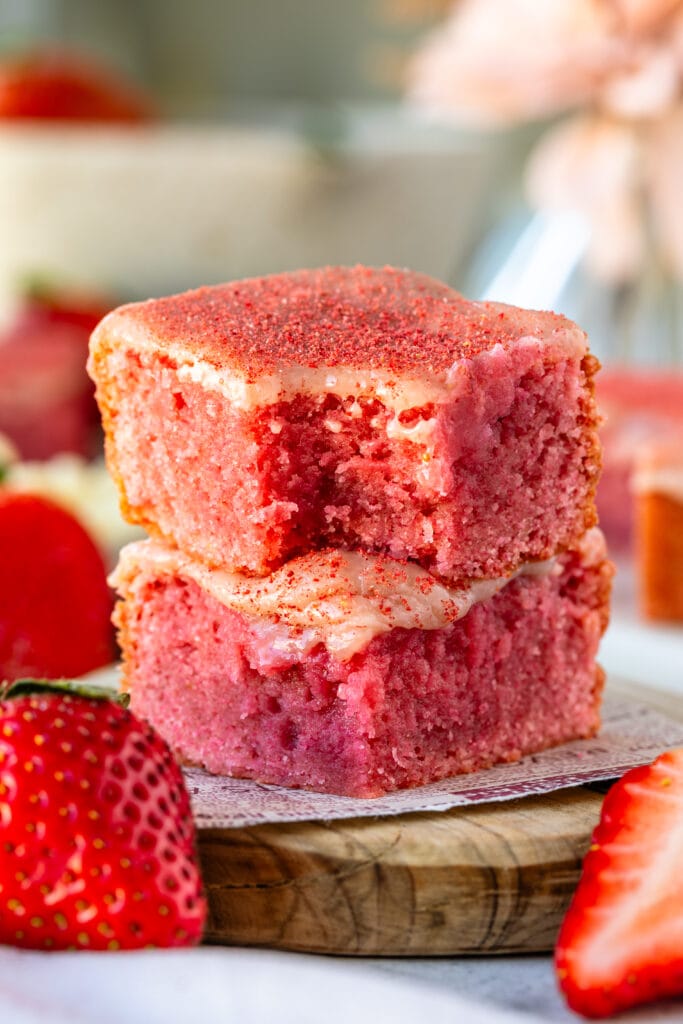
527 151
281 140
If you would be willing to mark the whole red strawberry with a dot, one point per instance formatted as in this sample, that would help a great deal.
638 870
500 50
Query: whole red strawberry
621 942
97 841
57 85
55 605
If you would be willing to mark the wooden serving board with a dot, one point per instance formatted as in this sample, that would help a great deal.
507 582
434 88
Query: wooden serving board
496 878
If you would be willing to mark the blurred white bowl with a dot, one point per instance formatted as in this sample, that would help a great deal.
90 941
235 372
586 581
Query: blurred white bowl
151 210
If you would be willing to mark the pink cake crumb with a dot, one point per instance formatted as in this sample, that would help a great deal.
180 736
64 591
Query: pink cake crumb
515 675
372 410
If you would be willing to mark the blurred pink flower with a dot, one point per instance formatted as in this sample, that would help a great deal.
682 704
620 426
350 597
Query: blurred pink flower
592 165
501 61
644 15
498 62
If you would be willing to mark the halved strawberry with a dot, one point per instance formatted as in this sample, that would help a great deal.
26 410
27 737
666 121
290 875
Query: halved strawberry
55 604
621 942
57 85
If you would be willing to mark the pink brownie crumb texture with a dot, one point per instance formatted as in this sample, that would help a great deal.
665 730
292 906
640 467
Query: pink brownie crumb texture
515 675
500 469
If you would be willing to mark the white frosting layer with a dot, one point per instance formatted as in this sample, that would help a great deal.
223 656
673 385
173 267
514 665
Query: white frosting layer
301 380
336 598
397 392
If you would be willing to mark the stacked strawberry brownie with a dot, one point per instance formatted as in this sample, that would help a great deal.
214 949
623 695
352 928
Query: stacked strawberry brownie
373 560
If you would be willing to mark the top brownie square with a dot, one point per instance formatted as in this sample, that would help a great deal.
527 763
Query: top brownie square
356 408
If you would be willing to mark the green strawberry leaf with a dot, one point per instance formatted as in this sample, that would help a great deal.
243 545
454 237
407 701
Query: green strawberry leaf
90 691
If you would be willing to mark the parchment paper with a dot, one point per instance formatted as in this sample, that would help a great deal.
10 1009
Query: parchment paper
631 734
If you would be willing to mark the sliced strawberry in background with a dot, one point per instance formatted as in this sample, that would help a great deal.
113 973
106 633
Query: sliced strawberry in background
57 85
621 942
55 604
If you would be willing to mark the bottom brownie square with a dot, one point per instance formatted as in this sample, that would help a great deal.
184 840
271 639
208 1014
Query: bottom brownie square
356 675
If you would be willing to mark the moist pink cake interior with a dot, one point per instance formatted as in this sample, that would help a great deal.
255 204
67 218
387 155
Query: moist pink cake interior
509 476
515 675
501 469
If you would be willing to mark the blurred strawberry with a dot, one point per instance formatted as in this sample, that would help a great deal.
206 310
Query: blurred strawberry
47 303
47 400
55 605
56 85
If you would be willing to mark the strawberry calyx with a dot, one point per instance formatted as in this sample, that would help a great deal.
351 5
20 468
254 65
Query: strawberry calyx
76 688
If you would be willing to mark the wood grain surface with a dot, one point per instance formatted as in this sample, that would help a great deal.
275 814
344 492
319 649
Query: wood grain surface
495 878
